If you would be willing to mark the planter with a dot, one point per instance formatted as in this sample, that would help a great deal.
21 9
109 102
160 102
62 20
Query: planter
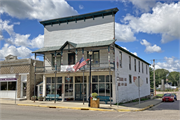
94 103
40 98
33 98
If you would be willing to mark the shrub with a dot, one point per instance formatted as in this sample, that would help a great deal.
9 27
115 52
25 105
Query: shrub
94 95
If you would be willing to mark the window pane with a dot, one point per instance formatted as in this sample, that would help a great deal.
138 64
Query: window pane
69 80
11 85
108 89
48 88
94 78
59 89
48 80
102 89
95 88
59 80
53 89
53 79
3 85
107 78
68 89
79 79
130 81
96 58
101 78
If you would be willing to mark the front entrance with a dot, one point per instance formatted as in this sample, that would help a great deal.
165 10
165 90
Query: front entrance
24 89
79 91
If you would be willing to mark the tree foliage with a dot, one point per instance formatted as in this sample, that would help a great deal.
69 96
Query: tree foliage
160 74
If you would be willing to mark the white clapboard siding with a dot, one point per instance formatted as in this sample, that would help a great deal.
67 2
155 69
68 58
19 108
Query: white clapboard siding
99 29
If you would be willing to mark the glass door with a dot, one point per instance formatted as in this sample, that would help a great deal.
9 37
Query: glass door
24 89
79 92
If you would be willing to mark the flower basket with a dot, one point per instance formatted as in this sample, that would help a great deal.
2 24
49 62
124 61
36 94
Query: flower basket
33 98
94 101
40 98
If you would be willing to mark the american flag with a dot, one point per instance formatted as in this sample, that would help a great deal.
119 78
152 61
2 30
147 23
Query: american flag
79 64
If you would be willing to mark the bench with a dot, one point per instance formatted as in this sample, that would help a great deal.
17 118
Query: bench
104 98
52 96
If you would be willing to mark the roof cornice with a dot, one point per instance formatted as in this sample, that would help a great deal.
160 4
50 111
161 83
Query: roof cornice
80 17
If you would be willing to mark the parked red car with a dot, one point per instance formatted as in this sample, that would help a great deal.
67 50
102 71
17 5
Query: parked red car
168 97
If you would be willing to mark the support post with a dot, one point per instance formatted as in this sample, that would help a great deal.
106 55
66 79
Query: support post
90 53
109 73
83 74
55 76
154 78
34 77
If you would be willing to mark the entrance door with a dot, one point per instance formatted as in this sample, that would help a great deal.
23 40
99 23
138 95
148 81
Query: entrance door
79 91
24 89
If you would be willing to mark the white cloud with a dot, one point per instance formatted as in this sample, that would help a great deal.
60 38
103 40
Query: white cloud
21 52
37 42
150 48
164 19
129 51
18 39
81 7
144 5
170 64
124 33
37 9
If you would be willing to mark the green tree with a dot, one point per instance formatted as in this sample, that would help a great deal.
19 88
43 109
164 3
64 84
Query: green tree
151 77
174 78
159 75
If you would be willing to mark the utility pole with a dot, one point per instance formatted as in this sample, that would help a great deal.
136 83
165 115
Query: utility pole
154 78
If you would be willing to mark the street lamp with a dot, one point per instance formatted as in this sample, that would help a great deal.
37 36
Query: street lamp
90 54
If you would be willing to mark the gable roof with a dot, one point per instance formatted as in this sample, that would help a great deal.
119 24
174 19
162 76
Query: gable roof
80 45
80 17
116 45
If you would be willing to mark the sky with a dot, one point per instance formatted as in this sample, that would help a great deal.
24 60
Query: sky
147 28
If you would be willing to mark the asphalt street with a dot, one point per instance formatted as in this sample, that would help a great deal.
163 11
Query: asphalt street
163 111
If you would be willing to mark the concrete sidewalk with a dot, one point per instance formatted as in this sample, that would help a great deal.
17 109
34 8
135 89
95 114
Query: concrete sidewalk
79 105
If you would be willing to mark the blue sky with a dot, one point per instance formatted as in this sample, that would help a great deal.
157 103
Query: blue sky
147 28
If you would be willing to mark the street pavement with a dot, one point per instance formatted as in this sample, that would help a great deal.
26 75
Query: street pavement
162 111
79 105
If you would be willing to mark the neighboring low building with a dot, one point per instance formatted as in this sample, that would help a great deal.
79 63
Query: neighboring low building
20 71
115 71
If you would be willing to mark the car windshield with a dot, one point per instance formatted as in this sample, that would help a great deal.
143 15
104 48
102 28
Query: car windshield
167 95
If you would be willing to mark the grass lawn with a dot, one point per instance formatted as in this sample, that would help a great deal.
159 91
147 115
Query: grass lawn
159 95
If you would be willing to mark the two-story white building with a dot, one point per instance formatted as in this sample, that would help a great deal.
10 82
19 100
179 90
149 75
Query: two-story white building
68 39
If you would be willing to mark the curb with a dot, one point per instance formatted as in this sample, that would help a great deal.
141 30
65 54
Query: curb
92 109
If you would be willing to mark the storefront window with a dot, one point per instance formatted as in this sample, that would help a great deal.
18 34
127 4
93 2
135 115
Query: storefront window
59 80
11 85
48 89
101 78
102 89
94 78
3 85
68 86
48 80
79 79
95 88
100 85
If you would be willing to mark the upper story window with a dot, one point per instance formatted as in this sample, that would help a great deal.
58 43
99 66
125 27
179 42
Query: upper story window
71 58
130 80
57 60
134 64
146 80
120 59
146 69
139 66
142 68
95 56
129 62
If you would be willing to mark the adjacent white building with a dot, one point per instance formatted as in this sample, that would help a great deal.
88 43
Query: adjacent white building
67 40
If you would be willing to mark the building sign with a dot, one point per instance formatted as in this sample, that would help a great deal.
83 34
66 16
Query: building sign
122 81
8 79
